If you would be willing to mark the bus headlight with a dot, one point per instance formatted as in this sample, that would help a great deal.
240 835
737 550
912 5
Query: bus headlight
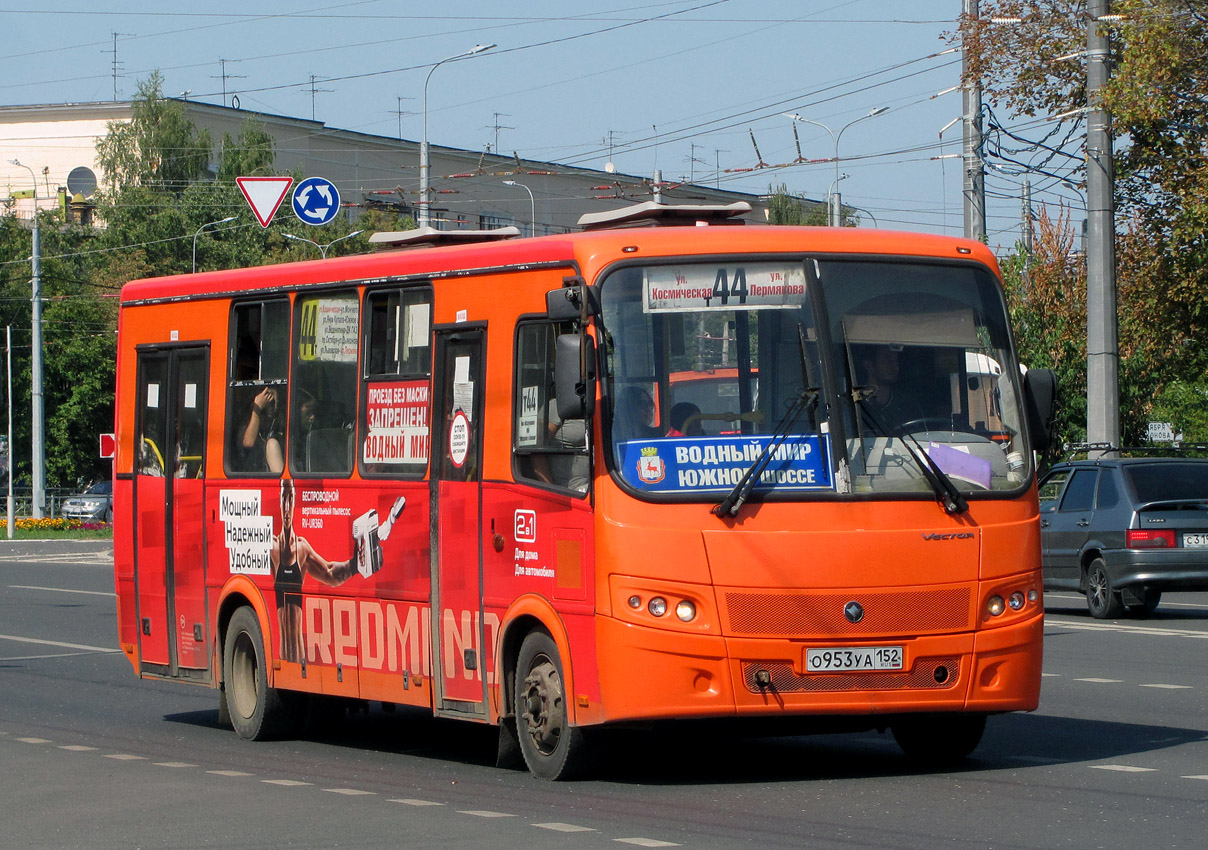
995 605
657 606
1016 601
635 602
685 610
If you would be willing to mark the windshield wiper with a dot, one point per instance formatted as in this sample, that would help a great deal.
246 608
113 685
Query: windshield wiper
742 490
946 493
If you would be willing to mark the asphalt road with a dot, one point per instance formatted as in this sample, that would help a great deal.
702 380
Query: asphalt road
1116 757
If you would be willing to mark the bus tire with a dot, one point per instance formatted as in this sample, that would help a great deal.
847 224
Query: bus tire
257 712
1102 601
939 740
552 748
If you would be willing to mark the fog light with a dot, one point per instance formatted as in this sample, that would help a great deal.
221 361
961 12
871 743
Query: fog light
657 606
635 602
685 611
995 605
1015 601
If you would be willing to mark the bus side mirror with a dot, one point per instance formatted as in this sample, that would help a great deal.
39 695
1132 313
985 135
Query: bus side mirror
1040 404
574 375
574 300
563 304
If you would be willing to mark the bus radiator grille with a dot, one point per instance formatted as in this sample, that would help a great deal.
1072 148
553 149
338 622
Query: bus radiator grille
785 680
821 614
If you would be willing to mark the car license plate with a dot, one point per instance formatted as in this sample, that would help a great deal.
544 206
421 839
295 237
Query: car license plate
1195 541
853 658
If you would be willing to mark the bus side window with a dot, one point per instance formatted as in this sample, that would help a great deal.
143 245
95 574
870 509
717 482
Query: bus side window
256 387
548 450
395 435
323 384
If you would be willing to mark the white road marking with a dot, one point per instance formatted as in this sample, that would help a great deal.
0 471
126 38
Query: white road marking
77 748
563 827
645 842
33 740
1200 776
417 802
1169 687
1051 675
230 773
1095 681
351 792
60 644
289 783
125 757
484 813
62 590
173 764
1123 768
1157 631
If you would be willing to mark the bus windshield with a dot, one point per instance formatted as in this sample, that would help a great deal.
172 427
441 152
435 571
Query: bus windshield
838 376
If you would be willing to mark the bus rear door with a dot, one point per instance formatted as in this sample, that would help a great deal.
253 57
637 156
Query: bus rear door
169 511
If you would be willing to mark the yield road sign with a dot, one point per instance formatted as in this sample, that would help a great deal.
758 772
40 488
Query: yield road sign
264 195
316 201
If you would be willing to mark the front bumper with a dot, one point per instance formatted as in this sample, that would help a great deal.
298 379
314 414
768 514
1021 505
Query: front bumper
653 673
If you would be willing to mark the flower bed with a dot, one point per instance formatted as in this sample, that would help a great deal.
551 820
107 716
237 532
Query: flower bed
52 524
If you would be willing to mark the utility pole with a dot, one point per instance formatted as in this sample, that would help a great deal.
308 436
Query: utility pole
38 411
974 188
1102 347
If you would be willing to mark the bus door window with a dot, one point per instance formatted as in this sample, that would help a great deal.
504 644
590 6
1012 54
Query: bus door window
323 387
257 367
548 449
396 434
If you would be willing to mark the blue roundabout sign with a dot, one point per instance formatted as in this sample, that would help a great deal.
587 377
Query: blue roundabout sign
316 201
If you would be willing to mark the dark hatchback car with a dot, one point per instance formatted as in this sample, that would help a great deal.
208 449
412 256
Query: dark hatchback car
1123 530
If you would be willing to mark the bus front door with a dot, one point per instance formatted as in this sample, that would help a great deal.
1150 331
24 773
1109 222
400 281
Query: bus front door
169 510
458 659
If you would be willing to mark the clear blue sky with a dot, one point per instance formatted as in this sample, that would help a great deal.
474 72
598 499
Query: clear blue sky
680 86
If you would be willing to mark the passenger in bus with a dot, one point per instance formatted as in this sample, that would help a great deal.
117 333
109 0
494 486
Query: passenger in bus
570 467
262 436
293 558
634 415
685 420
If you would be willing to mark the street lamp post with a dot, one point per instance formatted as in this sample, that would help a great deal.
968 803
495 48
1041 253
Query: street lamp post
836 204
38 426
198 233
322 248
532 205
423 145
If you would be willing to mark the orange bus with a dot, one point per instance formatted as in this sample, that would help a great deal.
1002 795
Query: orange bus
435 476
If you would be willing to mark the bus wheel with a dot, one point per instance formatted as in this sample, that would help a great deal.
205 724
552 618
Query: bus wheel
257 711
939 740
552 748
1103 602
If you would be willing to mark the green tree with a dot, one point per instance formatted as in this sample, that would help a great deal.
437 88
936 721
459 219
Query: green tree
785 208
1046 294
1023 52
